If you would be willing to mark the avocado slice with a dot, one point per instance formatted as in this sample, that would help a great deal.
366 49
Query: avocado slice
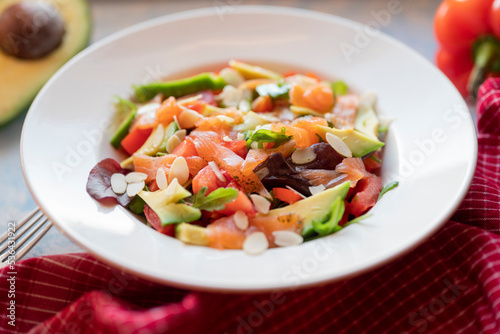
164 204
253 72
177 213
314 208
366 120
181 87
191 234
21 79
359 144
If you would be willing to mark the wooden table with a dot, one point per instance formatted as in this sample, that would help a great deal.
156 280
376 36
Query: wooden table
413 26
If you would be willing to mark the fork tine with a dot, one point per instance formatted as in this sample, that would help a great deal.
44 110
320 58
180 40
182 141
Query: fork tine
22 238
19 234
27 246
36 212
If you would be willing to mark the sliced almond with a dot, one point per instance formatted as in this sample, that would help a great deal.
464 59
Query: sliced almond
118 183
287 238
179 170
161 179
262 173
261 204
188 118
217 171
135 177
303 155
317 189
225 118
231 76
135 188
181 134
241 220
255 243
338 145
172 143
240 136
295 191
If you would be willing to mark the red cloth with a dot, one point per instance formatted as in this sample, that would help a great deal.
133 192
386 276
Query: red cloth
449 284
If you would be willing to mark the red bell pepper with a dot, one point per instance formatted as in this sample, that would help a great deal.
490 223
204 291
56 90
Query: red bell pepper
468 32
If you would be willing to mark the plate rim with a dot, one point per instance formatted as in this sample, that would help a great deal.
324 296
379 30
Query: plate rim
255 9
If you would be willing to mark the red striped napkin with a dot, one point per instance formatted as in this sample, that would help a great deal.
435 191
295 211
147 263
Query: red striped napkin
449 284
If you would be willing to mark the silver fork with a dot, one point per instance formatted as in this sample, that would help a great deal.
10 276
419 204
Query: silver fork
20 237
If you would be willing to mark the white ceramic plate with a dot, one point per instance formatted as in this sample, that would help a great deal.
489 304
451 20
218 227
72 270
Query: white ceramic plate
431 147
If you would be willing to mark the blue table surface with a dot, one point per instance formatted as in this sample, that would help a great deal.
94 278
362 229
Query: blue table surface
413 26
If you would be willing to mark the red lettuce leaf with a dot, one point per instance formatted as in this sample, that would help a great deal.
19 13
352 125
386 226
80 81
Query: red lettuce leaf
99 182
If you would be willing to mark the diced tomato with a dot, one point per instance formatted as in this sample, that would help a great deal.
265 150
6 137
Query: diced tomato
155 222
346 214
186 148
286 195
135 139
241 203
207 178
237 146
366 195
153 186
168 109
262 104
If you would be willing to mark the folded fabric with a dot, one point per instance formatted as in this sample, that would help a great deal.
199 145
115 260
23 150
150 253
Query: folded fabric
449 284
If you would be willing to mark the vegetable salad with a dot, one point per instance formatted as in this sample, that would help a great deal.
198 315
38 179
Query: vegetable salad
245 158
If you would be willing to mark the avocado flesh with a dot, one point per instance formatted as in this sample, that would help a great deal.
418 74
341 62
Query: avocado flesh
22 79
313 208
177 213
359 144
164 204
191 234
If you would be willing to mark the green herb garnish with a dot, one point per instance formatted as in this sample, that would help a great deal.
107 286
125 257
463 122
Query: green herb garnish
274 90
388 187
331 224
267 136
216 200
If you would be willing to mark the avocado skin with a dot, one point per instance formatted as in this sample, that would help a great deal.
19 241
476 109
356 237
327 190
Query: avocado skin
32 80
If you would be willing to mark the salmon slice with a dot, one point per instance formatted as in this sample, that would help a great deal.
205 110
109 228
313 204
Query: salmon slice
208 146
255 157
350 169
302 137
309 123
317 97
344 113
268 225
150 165
223 233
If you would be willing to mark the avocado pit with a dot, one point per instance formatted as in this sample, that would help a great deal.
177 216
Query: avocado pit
31 30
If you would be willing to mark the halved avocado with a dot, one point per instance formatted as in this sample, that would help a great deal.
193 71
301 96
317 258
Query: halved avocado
21 79
316 207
